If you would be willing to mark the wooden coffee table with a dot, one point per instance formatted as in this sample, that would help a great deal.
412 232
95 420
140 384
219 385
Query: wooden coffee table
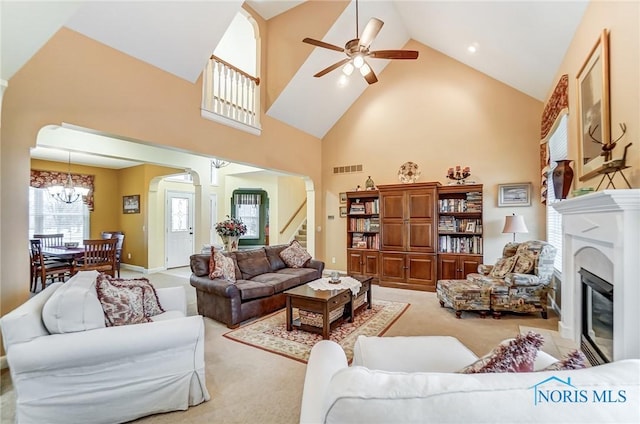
323 302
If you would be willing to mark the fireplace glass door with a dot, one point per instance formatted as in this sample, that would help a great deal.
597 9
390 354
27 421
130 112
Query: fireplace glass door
597 318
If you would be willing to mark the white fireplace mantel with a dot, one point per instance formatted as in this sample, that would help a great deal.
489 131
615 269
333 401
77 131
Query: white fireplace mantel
608 221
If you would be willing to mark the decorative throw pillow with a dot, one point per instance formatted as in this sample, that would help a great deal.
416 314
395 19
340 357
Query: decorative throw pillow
516 355
127 301
503 267
221 266
295 256
525 263
74 306
573 361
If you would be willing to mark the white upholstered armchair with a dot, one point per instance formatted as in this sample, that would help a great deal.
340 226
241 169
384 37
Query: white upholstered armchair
88 373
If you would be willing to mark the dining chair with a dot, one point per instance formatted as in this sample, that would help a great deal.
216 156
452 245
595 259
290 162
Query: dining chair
42 268
50 240
99 255
119 235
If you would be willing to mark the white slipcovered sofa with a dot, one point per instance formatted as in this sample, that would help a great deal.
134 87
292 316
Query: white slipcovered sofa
414 380
88 373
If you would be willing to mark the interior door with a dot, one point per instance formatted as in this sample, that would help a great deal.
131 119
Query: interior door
179 226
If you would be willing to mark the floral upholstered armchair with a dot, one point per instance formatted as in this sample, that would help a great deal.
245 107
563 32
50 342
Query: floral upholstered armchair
520 279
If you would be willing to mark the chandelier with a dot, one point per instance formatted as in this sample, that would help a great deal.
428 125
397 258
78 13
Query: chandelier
67 192
217 163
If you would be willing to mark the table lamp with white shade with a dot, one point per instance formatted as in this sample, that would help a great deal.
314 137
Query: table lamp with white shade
514 224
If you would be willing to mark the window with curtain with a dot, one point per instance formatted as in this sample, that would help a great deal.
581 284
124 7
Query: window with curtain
50 216
251 206
557 151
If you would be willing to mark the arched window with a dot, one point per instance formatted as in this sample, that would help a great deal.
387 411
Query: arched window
231 92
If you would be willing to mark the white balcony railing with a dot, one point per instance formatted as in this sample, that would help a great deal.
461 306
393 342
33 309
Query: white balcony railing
230 96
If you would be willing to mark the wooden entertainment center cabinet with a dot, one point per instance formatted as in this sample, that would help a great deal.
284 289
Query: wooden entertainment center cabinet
411 235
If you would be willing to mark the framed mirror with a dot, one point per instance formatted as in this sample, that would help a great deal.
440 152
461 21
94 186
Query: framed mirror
593 103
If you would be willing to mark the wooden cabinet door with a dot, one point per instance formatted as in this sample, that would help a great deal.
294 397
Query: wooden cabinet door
392 235
469 265
354 262
421 237
421 270
392 223
392 204
420 204
392 267
370 263
447 267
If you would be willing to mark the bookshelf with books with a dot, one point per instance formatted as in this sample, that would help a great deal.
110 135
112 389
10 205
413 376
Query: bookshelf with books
460 244
363 233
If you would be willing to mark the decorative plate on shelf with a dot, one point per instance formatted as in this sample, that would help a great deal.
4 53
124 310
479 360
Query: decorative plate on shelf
408 173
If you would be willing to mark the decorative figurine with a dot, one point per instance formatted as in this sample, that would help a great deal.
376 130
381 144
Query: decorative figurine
369 185
458 175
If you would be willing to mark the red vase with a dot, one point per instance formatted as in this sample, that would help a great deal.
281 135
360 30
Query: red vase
562 178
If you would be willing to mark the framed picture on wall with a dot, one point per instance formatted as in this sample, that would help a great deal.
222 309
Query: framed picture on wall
131 204
343 197
593 106
343 211
516 194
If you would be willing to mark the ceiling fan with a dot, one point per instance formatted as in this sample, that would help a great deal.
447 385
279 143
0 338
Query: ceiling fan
357 50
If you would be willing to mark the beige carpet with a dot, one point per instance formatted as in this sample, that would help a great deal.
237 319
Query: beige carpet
270 333
249 385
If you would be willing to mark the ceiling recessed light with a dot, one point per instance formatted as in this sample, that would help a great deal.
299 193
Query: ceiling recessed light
472 48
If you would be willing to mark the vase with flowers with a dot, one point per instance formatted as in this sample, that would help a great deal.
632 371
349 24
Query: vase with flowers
230 231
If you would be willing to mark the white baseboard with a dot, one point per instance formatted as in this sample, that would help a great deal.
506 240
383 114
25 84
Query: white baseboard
142 270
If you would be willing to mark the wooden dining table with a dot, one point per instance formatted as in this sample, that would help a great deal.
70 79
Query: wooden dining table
63 253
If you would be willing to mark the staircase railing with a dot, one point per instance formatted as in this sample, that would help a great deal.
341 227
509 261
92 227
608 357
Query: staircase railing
230 92
284 228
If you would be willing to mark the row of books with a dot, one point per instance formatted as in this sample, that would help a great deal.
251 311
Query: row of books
473 203
370 207
364 224
451 224
448 244
365 241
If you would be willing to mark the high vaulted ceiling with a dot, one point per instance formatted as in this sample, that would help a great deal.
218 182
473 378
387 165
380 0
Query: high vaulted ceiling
520 43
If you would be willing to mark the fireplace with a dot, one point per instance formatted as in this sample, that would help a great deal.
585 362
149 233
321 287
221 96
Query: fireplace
597 318
601 244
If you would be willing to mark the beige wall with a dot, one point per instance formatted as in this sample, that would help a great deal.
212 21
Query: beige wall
76 80
437 113
622 19
285 193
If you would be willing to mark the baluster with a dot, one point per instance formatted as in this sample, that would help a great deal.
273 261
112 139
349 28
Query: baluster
253 104
243 107
218 94
235 95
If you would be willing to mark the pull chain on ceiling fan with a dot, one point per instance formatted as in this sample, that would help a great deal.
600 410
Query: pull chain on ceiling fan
357 51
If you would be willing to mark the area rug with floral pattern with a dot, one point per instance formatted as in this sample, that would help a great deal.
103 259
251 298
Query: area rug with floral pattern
270 333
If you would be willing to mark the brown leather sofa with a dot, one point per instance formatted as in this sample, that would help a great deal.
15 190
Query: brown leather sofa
261 279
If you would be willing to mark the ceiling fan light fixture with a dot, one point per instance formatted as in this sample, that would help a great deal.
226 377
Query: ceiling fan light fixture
365 70
343 81
358 61
348 69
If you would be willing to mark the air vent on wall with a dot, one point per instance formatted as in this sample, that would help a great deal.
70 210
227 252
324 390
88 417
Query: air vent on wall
347 169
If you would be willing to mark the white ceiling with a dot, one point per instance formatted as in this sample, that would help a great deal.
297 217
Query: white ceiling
520 43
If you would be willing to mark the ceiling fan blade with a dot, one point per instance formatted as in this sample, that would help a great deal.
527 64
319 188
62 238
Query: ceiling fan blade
394 54
371 77
331 68
370 31
322 44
